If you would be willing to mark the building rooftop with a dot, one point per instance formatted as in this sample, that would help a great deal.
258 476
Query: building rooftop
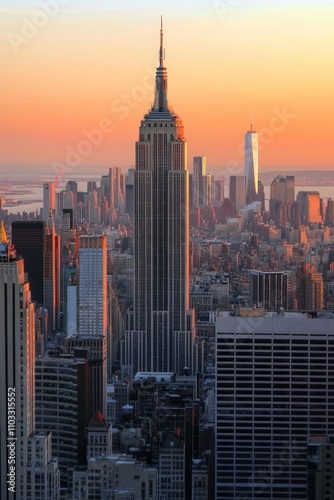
256 313
301 324
159 376
98 420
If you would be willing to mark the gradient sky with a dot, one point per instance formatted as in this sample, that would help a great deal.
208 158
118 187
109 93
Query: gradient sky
225 58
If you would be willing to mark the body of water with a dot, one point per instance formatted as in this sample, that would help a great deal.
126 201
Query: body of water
325 191
36 193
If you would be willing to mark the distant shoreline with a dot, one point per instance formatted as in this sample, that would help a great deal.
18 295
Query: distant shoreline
306 178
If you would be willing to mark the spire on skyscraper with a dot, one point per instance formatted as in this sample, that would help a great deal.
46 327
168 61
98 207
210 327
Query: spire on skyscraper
162 50
160 109
160 102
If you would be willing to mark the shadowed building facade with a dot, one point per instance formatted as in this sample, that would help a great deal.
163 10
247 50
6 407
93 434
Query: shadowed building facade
238 192
28 238
198 181
39 245
272 290
274 389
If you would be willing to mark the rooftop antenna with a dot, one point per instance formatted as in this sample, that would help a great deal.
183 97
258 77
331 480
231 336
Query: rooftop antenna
162 50
251 121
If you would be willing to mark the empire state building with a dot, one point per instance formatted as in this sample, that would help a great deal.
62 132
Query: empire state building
161 333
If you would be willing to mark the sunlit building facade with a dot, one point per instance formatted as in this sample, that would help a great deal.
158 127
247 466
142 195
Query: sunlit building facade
310 288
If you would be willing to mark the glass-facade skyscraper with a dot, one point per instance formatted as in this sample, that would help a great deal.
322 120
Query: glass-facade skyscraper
251 165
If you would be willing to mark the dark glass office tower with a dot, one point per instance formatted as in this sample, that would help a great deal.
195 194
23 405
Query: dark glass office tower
28 238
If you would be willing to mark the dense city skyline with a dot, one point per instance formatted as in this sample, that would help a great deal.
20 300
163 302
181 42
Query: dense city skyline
278 69
166 325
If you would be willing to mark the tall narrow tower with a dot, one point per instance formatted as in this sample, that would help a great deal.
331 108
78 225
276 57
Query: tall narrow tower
52 273
160 331
251 164
198 178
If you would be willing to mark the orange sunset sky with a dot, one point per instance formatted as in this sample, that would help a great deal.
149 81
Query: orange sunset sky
93 63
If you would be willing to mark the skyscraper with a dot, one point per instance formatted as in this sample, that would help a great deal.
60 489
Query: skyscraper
160 330
261 196
199 178
118 193
310 288
282 197
17 365
63 405
330 211
278 189
310 206
93 308
93 209
208 182
313 207
274 390
290 188
52 274
238 191
251 164
28 239
219 191
129 192
111 186
272 290
93 315
39 246
320 467
49 198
